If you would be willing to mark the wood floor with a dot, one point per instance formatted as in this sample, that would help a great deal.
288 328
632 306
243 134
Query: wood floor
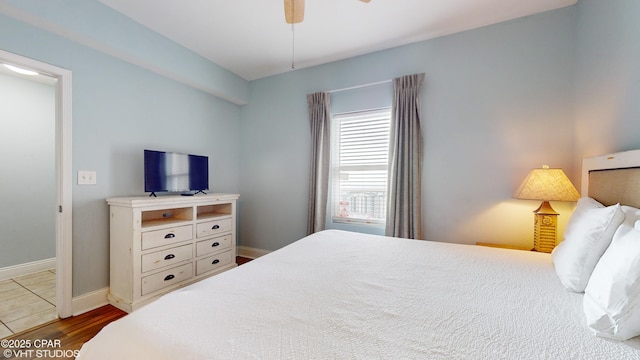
71 332
62 339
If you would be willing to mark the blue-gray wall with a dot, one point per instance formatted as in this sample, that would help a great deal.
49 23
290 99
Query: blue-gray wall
27 165
119 109
94 25
607 77
497 101
546 89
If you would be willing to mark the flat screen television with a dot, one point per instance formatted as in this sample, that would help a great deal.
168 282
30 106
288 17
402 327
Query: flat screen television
173 172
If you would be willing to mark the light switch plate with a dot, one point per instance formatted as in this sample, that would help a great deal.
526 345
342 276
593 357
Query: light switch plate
86 177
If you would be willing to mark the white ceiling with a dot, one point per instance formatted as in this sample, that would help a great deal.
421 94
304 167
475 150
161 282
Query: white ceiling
251 39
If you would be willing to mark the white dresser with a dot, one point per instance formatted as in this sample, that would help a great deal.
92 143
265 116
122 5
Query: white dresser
160 244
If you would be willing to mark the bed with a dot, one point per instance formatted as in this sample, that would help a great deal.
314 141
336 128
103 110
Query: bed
341 295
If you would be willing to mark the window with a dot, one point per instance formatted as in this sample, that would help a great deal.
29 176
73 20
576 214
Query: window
360 153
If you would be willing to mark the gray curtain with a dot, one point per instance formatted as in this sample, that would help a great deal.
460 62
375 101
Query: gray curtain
319 115
405 159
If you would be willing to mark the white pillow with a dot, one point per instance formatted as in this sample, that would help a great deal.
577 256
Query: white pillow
584 204
587 236
611 299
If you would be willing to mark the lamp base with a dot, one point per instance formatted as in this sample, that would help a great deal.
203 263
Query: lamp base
545 228
545 208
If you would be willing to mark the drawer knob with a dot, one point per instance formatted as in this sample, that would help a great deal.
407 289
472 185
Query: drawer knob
169 257
168 277
215 227
215 262
215 244
169 236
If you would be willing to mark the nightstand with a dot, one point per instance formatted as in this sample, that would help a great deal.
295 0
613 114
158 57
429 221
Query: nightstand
503 246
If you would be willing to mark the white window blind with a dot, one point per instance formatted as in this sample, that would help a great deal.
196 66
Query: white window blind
360 153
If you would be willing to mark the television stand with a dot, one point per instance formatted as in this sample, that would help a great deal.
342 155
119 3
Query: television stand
153 194
159 245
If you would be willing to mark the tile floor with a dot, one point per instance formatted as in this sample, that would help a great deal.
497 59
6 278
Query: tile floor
27 301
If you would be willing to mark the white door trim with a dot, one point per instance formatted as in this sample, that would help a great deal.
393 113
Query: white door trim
64 264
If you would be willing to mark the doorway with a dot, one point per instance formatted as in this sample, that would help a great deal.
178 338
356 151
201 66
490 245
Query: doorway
61 207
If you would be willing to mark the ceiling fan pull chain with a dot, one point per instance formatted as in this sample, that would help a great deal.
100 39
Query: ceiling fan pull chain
293 47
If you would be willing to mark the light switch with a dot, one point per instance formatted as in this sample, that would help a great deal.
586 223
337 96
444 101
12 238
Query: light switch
86 177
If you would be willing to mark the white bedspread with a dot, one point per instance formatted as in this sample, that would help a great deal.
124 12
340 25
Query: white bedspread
339 295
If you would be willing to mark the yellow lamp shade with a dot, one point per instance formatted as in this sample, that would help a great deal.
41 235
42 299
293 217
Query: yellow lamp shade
547 185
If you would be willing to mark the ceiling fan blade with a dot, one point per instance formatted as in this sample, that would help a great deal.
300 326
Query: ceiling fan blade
365 1
293 11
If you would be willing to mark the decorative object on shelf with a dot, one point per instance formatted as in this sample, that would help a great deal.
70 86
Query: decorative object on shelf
546 185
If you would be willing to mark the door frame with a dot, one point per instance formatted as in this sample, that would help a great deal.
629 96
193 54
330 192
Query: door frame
64 182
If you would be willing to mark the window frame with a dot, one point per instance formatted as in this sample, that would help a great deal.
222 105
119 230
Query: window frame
335 171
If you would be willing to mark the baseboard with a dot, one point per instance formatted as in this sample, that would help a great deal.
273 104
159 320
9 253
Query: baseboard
90 301
98 298
251 253
10 272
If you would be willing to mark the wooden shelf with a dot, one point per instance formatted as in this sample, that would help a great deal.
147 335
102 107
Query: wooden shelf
166 216
214 211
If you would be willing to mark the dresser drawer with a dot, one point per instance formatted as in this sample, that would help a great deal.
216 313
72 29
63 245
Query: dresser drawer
214 245
160 259
152 239
213 262
213 227
166 278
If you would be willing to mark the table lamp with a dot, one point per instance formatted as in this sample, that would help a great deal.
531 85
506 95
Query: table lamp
546 185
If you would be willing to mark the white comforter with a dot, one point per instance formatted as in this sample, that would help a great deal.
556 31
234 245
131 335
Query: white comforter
339 295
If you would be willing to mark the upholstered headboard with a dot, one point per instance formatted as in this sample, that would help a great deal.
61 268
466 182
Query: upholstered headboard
613 178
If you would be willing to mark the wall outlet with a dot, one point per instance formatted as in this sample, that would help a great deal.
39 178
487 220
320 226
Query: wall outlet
86 177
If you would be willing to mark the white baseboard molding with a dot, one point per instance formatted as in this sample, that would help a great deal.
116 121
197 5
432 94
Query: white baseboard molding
93 300
251 253
89 301
10 272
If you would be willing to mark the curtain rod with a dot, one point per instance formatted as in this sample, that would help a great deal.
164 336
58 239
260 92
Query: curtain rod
360 86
